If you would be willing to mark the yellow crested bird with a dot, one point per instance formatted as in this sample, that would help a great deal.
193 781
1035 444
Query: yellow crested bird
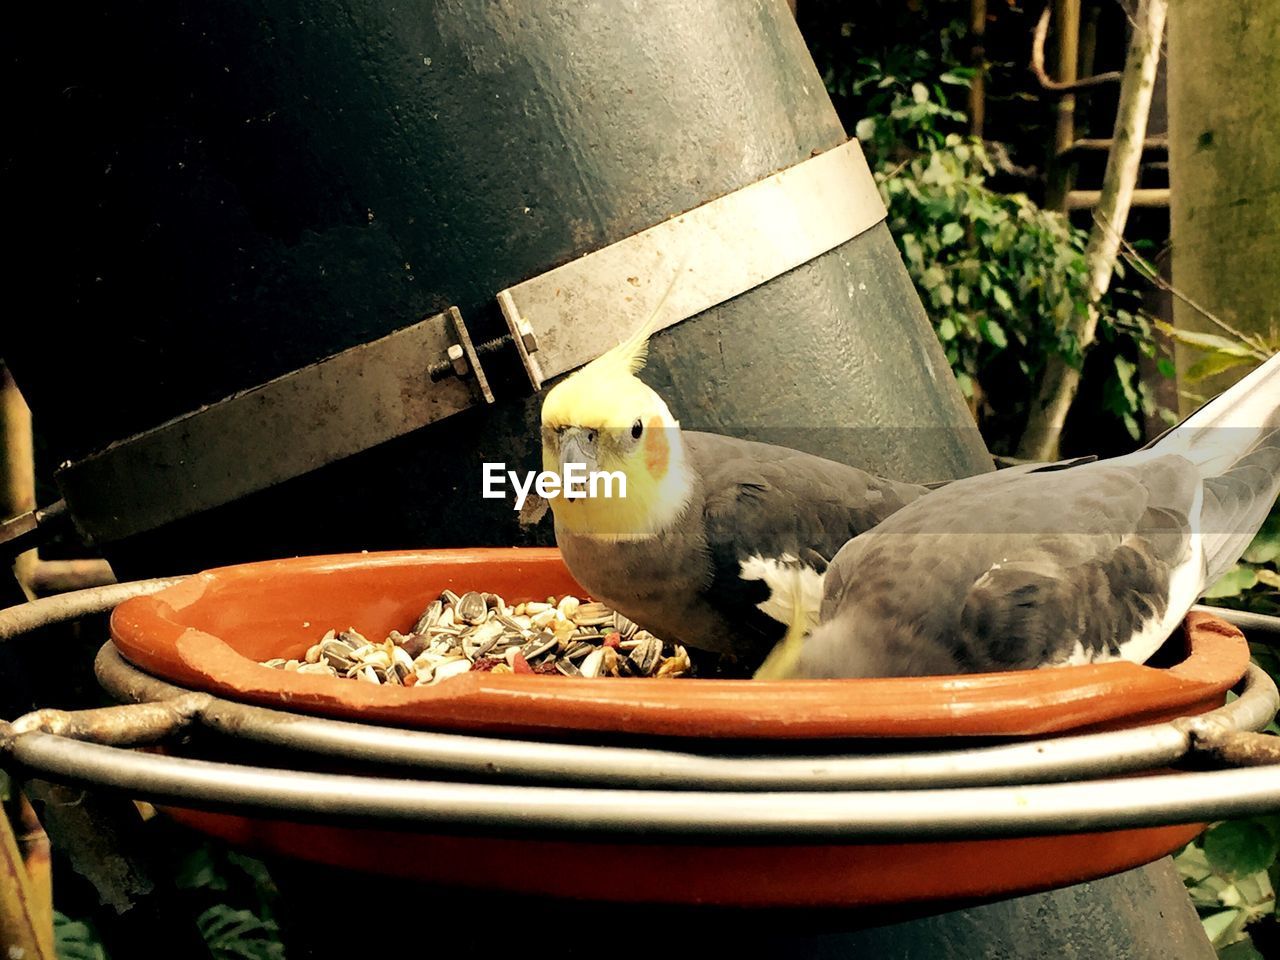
710 526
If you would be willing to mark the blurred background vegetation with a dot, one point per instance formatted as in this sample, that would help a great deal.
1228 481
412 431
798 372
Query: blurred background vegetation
964 143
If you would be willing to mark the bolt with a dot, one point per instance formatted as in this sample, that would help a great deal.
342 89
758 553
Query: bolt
457 362
458 357
527 337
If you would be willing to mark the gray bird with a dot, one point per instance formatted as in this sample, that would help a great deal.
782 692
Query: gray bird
1097 562
709 523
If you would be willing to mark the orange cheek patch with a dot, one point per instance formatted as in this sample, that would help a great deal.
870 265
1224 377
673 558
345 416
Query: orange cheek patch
656 451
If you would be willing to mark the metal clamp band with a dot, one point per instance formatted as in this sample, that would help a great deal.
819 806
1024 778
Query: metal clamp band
332 409
727 246
558 320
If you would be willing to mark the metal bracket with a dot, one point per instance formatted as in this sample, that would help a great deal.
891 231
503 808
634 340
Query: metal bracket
377 391
570 315
331 409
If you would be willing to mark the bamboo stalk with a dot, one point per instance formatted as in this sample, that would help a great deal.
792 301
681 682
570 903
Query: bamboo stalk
1061 381
33 843
978 60
21 909
1066 21
17 465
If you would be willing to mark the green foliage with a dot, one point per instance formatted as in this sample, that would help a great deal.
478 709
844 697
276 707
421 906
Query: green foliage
1000 277
1230 881
1254 582
74 940
241 925
1221 352
1231 871
239 934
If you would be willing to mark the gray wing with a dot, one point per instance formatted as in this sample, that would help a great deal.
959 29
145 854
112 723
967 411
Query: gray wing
1004 572
773 503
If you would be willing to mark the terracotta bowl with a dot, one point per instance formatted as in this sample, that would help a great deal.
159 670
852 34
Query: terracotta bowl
729 875
208 632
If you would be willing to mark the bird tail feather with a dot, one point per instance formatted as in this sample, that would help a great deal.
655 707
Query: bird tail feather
1230 425
1234 441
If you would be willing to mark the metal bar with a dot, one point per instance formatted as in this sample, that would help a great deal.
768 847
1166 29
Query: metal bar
129 725
332 409
63 576
474 367
1239 748
25 617
1250 623
722 249
761 816
1066 758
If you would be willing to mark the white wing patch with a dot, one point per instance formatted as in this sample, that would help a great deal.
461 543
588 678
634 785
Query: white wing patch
791 584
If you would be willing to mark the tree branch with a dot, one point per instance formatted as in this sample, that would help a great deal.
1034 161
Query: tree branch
1061 381
1050 85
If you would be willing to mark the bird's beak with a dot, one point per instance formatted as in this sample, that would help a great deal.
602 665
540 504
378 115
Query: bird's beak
577 446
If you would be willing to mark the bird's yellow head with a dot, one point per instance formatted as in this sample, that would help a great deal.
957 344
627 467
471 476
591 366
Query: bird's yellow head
606 419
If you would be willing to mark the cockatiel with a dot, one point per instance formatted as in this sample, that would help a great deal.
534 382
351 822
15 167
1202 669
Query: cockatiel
708 521
1013 571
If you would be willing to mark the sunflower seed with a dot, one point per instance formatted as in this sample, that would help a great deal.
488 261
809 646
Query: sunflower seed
471 608
478 630
430 617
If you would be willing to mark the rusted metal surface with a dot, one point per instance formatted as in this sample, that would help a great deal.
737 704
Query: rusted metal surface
1238 748
130 725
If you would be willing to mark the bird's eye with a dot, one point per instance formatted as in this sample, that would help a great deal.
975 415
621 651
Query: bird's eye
637 428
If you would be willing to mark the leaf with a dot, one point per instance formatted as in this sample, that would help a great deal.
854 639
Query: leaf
1269 577
1214 363
1205 341
865 129
198 871
1221 927
1265 547
994 333
1002 298
73 940
1233 583
239 934
1238 848
919 93
1240 950
951 232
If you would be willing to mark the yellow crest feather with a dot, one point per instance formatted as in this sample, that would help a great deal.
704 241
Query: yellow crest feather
632 352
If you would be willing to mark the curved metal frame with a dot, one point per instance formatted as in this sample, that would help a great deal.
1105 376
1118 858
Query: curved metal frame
1087 756
907 815
773 799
